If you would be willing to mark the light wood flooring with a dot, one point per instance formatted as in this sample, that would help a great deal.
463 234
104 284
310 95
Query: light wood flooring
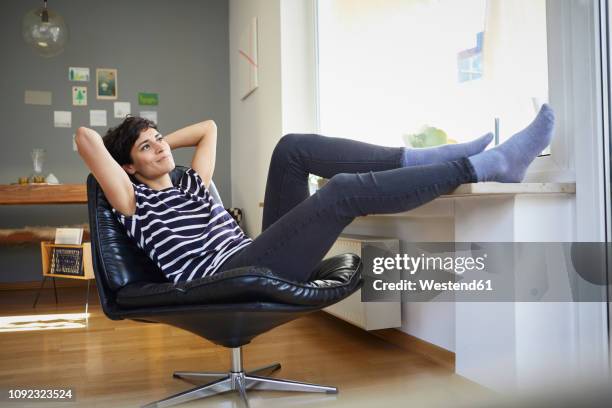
127 364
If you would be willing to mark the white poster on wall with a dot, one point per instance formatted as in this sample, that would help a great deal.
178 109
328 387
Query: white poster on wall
151 115
62 119
122 109
97 118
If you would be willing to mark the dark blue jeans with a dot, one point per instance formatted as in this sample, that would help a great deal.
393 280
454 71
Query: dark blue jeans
299 229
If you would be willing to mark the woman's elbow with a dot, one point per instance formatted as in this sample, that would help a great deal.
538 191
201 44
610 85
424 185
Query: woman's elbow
84 140
210 124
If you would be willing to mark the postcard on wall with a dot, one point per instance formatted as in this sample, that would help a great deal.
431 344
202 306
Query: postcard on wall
79 96
37 97
62 119
122 109
151 115
78 74
106 83
148 98
97 118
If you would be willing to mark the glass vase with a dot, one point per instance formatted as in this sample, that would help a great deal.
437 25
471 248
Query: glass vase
38 160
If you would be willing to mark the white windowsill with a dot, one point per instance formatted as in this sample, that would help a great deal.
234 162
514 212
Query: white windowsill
511 188
442 207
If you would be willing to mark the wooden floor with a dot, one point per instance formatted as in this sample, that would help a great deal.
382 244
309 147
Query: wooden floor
127 364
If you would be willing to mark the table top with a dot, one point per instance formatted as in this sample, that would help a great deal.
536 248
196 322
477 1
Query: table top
15 194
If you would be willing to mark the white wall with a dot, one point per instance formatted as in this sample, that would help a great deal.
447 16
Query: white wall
284 101
256 121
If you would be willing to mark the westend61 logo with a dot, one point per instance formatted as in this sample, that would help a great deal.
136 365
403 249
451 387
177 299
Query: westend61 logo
487 272
428 263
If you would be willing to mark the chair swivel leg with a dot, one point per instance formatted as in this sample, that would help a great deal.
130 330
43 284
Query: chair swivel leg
265 369
279 384
199 375
239 383
216 387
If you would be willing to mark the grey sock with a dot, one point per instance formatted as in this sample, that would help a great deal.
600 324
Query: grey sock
508 162
448 152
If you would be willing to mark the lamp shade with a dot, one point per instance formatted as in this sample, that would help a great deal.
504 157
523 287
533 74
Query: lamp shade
45 31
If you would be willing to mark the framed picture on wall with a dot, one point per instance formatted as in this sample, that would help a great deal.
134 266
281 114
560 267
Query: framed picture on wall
106 83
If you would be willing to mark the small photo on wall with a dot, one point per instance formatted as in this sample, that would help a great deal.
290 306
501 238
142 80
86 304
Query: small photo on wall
106 83
78 74
148 98
79 96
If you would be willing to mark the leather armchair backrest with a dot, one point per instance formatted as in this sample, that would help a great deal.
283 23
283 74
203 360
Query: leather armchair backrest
214 193
117 259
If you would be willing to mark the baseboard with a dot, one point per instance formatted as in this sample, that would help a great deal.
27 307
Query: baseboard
35 285
408 342
405 341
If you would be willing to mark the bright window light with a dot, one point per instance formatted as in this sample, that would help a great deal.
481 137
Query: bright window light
388 69
44 322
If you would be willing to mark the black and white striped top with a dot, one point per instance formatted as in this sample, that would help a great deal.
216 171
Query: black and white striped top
182 229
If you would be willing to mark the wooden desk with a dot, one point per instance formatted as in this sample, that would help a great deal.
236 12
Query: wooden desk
29 194
14 194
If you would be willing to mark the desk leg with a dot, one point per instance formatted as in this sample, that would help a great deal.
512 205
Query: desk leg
54 290
38 293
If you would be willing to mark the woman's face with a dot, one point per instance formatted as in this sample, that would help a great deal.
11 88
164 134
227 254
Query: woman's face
151 156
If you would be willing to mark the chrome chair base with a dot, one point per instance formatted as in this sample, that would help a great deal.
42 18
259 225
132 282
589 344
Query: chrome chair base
239 381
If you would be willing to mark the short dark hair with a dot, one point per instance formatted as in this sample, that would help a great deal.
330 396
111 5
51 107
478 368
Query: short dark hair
119 140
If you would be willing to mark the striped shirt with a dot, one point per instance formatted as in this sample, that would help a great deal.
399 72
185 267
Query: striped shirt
182 229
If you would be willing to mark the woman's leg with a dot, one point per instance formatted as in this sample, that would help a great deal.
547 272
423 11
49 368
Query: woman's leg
297 155
294 244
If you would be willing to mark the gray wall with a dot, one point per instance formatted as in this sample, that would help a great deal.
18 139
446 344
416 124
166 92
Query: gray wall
176 48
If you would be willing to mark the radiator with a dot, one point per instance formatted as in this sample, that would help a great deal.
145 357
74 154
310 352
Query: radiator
367 315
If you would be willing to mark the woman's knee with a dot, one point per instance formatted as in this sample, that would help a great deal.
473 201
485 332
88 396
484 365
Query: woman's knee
336 195
287 145
340 183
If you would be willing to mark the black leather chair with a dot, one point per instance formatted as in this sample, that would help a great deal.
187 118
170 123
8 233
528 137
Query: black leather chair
228 308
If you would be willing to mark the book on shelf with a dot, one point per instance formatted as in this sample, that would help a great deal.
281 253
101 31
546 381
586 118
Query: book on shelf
70 236
67 261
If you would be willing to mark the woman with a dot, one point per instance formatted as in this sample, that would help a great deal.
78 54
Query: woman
189 236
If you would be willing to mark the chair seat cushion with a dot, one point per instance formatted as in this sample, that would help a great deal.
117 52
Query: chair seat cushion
334 279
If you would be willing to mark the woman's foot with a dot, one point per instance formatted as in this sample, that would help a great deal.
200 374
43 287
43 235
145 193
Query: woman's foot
449 152
508 162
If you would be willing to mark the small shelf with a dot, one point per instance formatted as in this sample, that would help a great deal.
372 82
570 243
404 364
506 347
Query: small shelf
12 194
46 249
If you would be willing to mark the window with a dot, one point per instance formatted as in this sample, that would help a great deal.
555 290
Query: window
389 70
